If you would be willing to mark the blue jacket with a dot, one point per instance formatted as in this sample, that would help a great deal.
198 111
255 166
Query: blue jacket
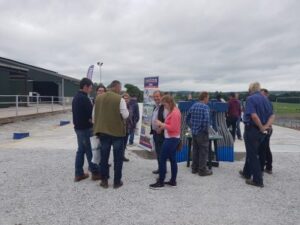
82 109
134 115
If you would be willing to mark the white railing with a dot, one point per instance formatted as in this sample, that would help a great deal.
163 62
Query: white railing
16 105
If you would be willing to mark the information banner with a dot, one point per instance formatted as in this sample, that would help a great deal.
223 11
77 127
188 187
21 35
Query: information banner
90 72
150 86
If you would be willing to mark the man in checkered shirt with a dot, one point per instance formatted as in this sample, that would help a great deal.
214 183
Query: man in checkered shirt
198 120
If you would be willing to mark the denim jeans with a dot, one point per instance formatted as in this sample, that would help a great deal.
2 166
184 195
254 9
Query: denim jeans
238 128
168 151
84 147
131 137
158 142
125 143
253 140
108 141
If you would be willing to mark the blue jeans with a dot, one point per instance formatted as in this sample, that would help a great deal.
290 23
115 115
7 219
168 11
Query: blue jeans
168 151
108 141
131 137
238 128
158 142
84 147
125 143
253 140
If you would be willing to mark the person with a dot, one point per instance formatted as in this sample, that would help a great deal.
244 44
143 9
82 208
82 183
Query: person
233 114
198 120
101 89
258 118
266 158
128 123
110 113
82 119
171 128
238 122
158 136
219 98
135 118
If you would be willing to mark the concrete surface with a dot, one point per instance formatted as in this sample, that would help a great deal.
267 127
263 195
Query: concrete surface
36 186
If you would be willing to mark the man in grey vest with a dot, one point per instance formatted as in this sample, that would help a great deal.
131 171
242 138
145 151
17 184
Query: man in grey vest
110 114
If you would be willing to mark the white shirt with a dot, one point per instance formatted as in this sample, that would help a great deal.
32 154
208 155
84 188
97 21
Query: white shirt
167 134
155 116
123 109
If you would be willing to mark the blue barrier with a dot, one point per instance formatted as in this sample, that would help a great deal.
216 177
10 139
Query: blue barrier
220 107
64 122
182 155
17 136
225 154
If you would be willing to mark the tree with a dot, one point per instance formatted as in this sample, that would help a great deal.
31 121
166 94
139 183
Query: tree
134 91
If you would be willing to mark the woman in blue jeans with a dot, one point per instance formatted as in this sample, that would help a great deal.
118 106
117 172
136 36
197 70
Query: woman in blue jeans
171 128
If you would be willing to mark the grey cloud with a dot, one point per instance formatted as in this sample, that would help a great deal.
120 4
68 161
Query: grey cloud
191 45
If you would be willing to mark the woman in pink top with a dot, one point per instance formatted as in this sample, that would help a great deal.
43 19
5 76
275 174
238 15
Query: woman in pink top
171 128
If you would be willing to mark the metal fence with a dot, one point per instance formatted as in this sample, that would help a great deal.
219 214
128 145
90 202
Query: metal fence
16 105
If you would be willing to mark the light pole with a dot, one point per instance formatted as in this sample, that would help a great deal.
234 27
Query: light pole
100 65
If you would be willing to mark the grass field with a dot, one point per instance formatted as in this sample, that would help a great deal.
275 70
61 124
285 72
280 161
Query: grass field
288 109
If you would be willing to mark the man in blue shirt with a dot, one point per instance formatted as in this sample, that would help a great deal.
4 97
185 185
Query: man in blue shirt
198 120
82 109
258 118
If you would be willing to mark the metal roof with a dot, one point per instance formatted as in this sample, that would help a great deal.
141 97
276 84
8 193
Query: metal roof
26 67
12 67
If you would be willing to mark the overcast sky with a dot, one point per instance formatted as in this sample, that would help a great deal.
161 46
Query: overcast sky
190 44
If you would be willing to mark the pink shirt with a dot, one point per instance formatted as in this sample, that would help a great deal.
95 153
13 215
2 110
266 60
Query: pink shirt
173 124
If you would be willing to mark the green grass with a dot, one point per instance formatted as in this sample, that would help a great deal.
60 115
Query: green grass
286 108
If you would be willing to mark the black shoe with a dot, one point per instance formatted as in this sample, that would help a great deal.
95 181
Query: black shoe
194 171
206 172
125 159
157 185
96 176
251 182
118 184
243 175
240 138
155 171
268 171
104 183
171 183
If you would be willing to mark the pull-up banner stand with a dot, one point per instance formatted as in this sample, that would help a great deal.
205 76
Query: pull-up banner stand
150 86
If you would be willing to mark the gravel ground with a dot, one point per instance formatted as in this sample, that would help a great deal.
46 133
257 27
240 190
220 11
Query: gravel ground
36 187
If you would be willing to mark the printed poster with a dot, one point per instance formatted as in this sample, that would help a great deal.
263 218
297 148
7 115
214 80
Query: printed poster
150 86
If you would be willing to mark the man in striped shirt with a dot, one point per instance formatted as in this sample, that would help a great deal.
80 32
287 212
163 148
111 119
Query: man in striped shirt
198 120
